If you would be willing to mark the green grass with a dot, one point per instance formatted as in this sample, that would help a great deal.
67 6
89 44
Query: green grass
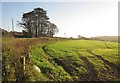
61 59
48 67
12 50
83 48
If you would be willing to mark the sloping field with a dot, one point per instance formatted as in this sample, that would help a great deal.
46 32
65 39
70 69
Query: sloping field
59 59
77 60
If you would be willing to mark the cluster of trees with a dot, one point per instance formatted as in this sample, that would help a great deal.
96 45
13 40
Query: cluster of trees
36 23
80 37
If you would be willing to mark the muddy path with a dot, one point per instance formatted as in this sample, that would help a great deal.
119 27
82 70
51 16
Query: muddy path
92 73
114 67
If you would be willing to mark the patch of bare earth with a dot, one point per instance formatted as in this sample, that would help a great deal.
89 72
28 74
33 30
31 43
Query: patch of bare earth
91 75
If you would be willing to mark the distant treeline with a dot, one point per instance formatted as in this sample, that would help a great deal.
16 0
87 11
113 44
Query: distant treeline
109 38
24 35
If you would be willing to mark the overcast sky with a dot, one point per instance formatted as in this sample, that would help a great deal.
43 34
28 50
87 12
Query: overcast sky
73 18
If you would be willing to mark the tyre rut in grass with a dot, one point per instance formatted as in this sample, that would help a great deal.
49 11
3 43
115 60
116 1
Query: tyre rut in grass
114 67
92 73
59 62
70 67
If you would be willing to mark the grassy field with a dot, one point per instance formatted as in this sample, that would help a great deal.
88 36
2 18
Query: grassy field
61 59
78 60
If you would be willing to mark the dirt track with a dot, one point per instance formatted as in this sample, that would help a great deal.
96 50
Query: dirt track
92 73
114 67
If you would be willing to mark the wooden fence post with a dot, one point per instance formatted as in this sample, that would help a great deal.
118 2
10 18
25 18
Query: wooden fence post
22 61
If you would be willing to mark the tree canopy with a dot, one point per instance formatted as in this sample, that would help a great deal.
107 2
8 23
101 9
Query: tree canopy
36 23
